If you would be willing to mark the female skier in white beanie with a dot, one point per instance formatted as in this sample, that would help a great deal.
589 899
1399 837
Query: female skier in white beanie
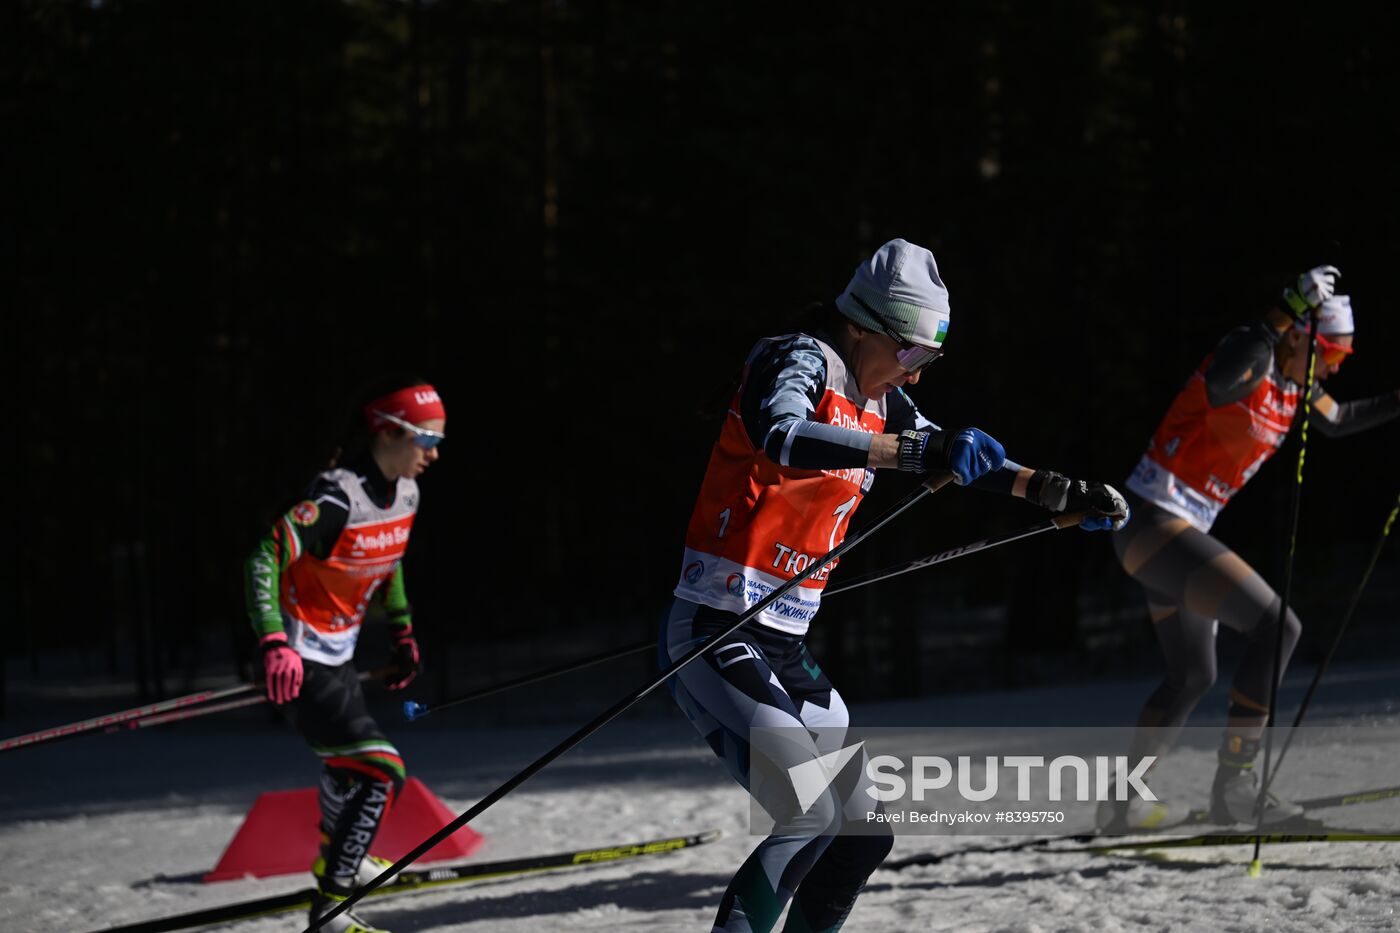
817 413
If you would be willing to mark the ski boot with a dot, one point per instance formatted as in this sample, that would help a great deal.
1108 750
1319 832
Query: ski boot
1120 817
328 895
1234 794
371 867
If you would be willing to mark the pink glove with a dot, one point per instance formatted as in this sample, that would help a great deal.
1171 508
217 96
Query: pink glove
283 668
406 655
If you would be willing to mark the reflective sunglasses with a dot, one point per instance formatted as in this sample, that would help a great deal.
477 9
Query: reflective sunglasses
1333 353
421 436
911 356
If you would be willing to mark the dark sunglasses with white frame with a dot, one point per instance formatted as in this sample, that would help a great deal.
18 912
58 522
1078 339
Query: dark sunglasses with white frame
911 356
421 436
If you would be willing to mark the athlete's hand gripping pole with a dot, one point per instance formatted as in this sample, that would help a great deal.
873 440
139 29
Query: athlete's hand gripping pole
1313 288
378 673
1100 506
282 665
930 485
408 659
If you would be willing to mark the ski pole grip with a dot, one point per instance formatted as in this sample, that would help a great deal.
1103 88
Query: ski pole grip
937 481
1070 519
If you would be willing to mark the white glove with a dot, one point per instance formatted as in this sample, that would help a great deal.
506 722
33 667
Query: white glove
1314 287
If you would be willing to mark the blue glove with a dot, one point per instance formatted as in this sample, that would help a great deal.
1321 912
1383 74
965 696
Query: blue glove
969 453
972 453
1059 493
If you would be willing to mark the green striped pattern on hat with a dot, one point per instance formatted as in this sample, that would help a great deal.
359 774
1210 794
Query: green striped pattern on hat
900 283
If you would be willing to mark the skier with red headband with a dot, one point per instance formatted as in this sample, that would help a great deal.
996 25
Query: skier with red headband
1232 415
818 411
309 584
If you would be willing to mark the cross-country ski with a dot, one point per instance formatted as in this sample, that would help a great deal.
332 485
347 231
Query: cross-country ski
427 879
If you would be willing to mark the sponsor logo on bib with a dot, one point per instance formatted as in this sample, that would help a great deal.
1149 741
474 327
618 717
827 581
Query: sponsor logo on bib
390 537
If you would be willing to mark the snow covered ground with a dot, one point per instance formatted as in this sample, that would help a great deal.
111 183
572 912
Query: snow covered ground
106 830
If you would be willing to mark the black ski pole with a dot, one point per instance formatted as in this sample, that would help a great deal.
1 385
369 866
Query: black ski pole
414 710
1067 520
1336 640
930 485
1255 867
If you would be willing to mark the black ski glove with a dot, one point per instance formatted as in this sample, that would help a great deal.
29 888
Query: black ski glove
1059 493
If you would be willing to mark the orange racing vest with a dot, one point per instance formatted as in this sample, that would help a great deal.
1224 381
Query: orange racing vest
325 600
1201 456
757 524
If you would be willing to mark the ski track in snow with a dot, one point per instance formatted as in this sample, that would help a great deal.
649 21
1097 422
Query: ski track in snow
82 852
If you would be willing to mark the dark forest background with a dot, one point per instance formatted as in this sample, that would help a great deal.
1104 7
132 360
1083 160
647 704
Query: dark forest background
575 218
